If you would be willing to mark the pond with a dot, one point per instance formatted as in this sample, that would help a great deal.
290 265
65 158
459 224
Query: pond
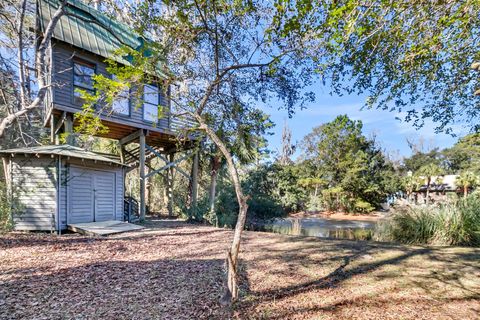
321 227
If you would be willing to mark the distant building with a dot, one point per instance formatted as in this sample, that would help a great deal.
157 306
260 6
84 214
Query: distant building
439 188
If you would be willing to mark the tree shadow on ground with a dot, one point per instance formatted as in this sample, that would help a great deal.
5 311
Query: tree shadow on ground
337 276
344 260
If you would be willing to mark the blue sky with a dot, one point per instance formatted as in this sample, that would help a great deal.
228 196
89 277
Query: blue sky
391 133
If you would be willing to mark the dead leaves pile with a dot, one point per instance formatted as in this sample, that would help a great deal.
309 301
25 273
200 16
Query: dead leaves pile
177 273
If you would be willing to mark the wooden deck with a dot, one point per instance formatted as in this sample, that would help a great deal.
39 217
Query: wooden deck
104 228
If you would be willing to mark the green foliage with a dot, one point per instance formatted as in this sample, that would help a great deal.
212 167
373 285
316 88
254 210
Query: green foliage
332 198
411 226
466 180
315 203
429 170
226 208
401 54
420 159
265 207
455 223
363 206
139 68
6 221
464 155
347 166
272 195
279 182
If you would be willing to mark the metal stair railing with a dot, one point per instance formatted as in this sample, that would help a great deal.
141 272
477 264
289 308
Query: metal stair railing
131 212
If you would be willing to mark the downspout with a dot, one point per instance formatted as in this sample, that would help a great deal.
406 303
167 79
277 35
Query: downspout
59 176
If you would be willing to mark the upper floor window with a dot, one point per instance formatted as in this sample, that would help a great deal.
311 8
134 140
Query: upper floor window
82 79
121 104
150 103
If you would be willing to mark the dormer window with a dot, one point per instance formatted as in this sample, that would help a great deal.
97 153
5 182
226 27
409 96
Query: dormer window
150 103
121 104
82 79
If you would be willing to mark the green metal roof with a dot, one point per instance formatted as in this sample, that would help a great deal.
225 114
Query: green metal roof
85 27
61 150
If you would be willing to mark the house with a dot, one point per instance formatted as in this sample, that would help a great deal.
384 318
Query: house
54 186
439 189
83 39
62 184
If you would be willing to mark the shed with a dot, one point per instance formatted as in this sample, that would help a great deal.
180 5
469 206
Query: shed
56 185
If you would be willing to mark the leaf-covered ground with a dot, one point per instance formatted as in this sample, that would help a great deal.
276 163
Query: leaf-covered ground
175 271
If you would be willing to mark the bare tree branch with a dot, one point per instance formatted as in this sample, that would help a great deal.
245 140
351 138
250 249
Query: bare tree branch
40 69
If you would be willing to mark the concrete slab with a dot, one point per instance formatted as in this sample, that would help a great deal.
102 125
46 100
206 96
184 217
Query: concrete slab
103 228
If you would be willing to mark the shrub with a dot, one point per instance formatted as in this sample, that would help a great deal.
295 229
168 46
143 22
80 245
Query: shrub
315 203
456 223
263 207
226 208
6 221
363 206
260 206
459 224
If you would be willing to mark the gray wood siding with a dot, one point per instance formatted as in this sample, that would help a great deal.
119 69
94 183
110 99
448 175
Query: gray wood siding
63 195
34 183
34 186
62 78
120 186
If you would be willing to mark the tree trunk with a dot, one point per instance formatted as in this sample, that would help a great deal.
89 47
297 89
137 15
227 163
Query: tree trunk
231 290
216 162
428 191
465 191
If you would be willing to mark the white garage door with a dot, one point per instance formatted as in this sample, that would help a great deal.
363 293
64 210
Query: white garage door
91 195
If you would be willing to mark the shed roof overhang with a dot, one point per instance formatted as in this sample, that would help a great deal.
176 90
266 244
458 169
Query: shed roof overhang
64 150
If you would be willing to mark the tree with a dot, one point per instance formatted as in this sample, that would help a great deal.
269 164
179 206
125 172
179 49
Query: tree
464 155
348 162
411 183
246 143
412 57
428 172
287 147
419 159
16 17
222 57
466 180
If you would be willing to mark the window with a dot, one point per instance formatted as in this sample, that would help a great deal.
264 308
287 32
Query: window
82 79
121 104
150 103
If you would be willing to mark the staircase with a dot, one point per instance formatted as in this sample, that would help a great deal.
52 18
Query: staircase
132 156
131 212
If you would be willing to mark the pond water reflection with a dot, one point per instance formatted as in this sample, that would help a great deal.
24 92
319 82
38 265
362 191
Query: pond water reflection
321 227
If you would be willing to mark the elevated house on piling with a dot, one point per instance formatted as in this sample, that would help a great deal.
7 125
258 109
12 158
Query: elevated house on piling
62 184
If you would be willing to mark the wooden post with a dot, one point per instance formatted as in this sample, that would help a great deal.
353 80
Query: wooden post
195 184
148 187
171 158
52 129
122 153
142 176
69 129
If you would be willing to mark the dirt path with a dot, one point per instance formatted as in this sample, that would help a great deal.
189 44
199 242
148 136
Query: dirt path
174 271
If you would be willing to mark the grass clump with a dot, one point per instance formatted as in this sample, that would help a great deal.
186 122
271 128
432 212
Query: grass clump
455 223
